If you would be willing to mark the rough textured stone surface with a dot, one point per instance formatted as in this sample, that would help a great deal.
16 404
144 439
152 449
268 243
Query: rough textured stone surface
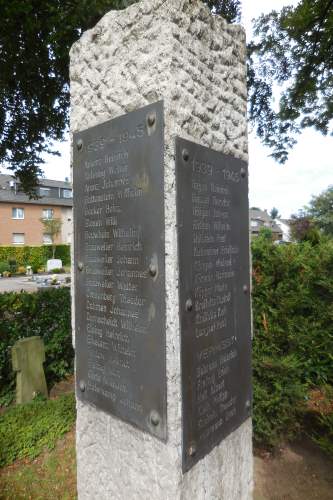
177 51
28 356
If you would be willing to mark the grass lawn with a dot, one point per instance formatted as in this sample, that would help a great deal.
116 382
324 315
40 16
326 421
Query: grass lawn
37 450
37 454
50 476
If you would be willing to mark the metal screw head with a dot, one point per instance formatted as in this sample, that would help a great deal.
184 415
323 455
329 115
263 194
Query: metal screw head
151 120
154 418
243 172
152 270
245 288
79 144
186 155
192 450
82 386
189 305
80 266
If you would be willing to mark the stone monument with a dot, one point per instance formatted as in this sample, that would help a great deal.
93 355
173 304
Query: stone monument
161 255
28 356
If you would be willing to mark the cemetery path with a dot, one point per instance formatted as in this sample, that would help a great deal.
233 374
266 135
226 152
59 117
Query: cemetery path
18 283
298 472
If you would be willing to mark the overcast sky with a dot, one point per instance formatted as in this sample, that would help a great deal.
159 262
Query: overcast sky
288 187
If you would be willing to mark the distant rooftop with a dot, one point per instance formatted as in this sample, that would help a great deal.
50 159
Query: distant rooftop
50 192
261 218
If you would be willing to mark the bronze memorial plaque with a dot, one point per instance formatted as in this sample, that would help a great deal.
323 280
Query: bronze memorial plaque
119 268
214 291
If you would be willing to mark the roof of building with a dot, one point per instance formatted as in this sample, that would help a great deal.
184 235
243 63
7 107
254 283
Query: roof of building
266 220
9 194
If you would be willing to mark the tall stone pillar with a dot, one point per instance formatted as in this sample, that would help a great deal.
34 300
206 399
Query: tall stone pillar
178 52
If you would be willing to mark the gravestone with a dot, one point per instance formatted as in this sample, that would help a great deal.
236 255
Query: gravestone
161 255
28 356
53 264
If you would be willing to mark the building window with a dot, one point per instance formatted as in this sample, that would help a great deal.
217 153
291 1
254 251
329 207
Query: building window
44 191
254 223
47 239
48 213
18 213
67 193
18 238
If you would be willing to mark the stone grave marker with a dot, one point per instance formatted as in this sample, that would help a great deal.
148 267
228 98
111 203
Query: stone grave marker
161 303
28 356
53 264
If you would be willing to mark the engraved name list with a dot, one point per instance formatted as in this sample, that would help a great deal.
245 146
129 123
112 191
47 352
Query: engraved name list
119 220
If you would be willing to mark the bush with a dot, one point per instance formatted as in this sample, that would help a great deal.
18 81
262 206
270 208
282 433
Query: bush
46 313
293 332
28 429
36 257
4 267
12 265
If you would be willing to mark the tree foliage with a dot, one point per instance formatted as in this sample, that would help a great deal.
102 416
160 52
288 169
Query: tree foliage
229 9
35 38
53 228
274 213
321 211
302 228
314 219
294 49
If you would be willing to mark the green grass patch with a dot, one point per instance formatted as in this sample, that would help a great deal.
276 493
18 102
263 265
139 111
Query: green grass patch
50 476
28 429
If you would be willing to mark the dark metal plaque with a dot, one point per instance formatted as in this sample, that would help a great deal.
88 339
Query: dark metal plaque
214 291
119 268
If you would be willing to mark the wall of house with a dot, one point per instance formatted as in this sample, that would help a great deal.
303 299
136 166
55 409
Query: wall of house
30 226
67 224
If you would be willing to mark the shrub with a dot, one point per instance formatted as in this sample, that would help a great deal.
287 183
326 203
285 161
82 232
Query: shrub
21 270
46 313
12 265
35 257
293 332
4 267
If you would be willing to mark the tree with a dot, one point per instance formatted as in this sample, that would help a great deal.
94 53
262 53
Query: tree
52 227
303 228
229 9
321 211
292 48
274 213
35 38
314 219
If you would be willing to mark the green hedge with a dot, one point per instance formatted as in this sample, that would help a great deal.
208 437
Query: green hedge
35 257
292 347
293 333
46 313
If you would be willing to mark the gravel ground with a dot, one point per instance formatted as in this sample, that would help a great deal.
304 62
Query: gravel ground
18 283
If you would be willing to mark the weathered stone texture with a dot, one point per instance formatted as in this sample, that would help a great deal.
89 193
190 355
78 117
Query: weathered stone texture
177 51
28 356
